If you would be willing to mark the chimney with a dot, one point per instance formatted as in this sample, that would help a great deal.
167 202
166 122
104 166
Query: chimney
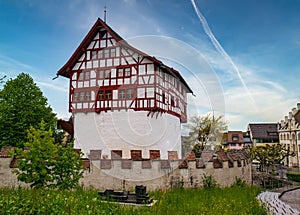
298 106
294 110
290 115
285 119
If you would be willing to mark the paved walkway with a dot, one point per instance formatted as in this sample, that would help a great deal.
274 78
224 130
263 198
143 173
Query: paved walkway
276 206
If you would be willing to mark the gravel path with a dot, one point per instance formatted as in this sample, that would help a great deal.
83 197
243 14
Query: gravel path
292 198
276 206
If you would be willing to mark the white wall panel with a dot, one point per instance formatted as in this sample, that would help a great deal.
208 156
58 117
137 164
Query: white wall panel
127 130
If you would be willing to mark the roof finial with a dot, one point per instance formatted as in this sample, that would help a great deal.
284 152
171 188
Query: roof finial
105 12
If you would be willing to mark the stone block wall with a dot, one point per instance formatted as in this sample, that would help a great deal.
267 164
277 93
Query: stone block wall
156 174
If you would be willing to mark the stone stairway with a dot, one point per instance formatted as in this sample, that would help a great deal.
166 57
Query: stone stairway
274 205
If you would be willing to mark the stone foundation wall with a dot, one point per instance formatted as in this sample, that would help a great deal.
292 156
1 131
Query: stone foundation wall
7 177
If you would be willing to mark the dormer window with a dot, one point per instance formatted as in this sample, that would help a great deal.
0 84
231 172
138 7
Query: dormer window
235 138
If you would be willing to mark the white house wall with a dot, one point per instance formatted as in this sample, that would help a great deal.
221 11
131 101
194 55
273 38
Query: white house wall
127 130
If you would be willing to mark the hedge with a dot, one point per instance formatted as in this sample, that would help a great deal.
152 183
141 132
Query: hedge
293 176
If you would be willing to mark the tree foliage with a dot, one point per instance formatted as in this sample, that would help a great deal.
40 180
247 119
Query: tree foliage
22 105
205 130
269 155
2 79
46 163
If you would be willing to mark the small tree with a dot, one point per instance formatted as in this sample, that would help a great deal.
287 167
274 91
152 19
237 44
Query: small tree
205 130
269 155
67 169
46 164
35 165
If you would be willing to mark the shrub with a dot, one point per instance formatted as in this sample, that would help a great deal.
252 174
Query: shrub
293 176
239 182
209 182
47 164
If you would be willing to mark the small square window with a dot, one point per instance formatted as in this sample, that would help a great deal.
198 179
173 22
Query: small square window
94 55
100 54
120 72
81 96
88 96
112 52
81 76
130 94
108 95
127 71
75 99
107 73
101 95
101 74
87 75
106 53
122 94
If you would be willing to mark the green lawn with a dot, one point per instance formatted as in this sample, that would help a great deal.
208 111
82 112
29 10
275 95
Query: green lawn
234 200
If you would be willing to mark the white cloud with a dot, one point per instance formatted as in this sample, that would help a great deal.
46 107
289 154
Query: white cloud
53 86
12 67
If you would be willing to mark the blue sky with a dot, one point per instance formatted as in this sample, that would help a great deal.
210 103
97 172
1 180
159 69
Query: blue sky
243 56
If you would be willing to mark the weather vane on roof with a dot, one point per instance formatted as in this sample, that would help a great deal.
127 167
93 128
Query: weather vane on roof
105 12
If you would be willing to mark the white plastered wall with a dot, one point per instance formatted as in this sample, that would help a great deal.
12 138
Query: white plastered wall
127 130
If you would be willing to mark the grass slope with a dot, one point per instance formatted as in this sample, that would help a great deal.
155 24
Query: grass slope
234 200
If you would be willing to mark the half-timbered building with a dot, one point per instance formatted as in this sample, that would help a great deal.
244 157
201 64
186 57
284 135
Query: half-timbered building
123 100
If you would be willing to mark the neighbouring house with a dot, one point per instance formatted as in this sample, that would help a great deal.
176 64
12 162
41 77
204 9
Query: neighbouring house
263 133
235 140
124 103
289 136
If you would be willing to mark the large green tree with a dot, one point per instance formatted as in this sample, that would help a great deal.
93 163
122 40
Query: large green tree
2 79
45 163
22 105
205 131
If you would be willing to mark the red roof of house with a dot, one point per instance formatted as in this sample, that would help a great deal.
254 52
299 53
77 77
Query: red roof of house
5 151
67 126
231 134
65 70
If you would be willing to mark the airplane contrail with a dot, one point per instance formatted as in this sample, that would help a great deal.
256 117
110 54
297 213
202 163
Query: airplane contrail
220 49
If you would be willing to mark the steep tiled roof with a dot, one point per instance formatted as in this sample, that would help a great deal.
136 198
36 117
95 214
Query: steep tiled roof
264 130
217 164
239 134
237 155
67 126
190 156
222 155
65 70
206 156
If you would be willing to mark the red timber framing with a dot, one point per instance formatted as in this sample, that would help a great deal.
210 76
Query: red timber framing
106 73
